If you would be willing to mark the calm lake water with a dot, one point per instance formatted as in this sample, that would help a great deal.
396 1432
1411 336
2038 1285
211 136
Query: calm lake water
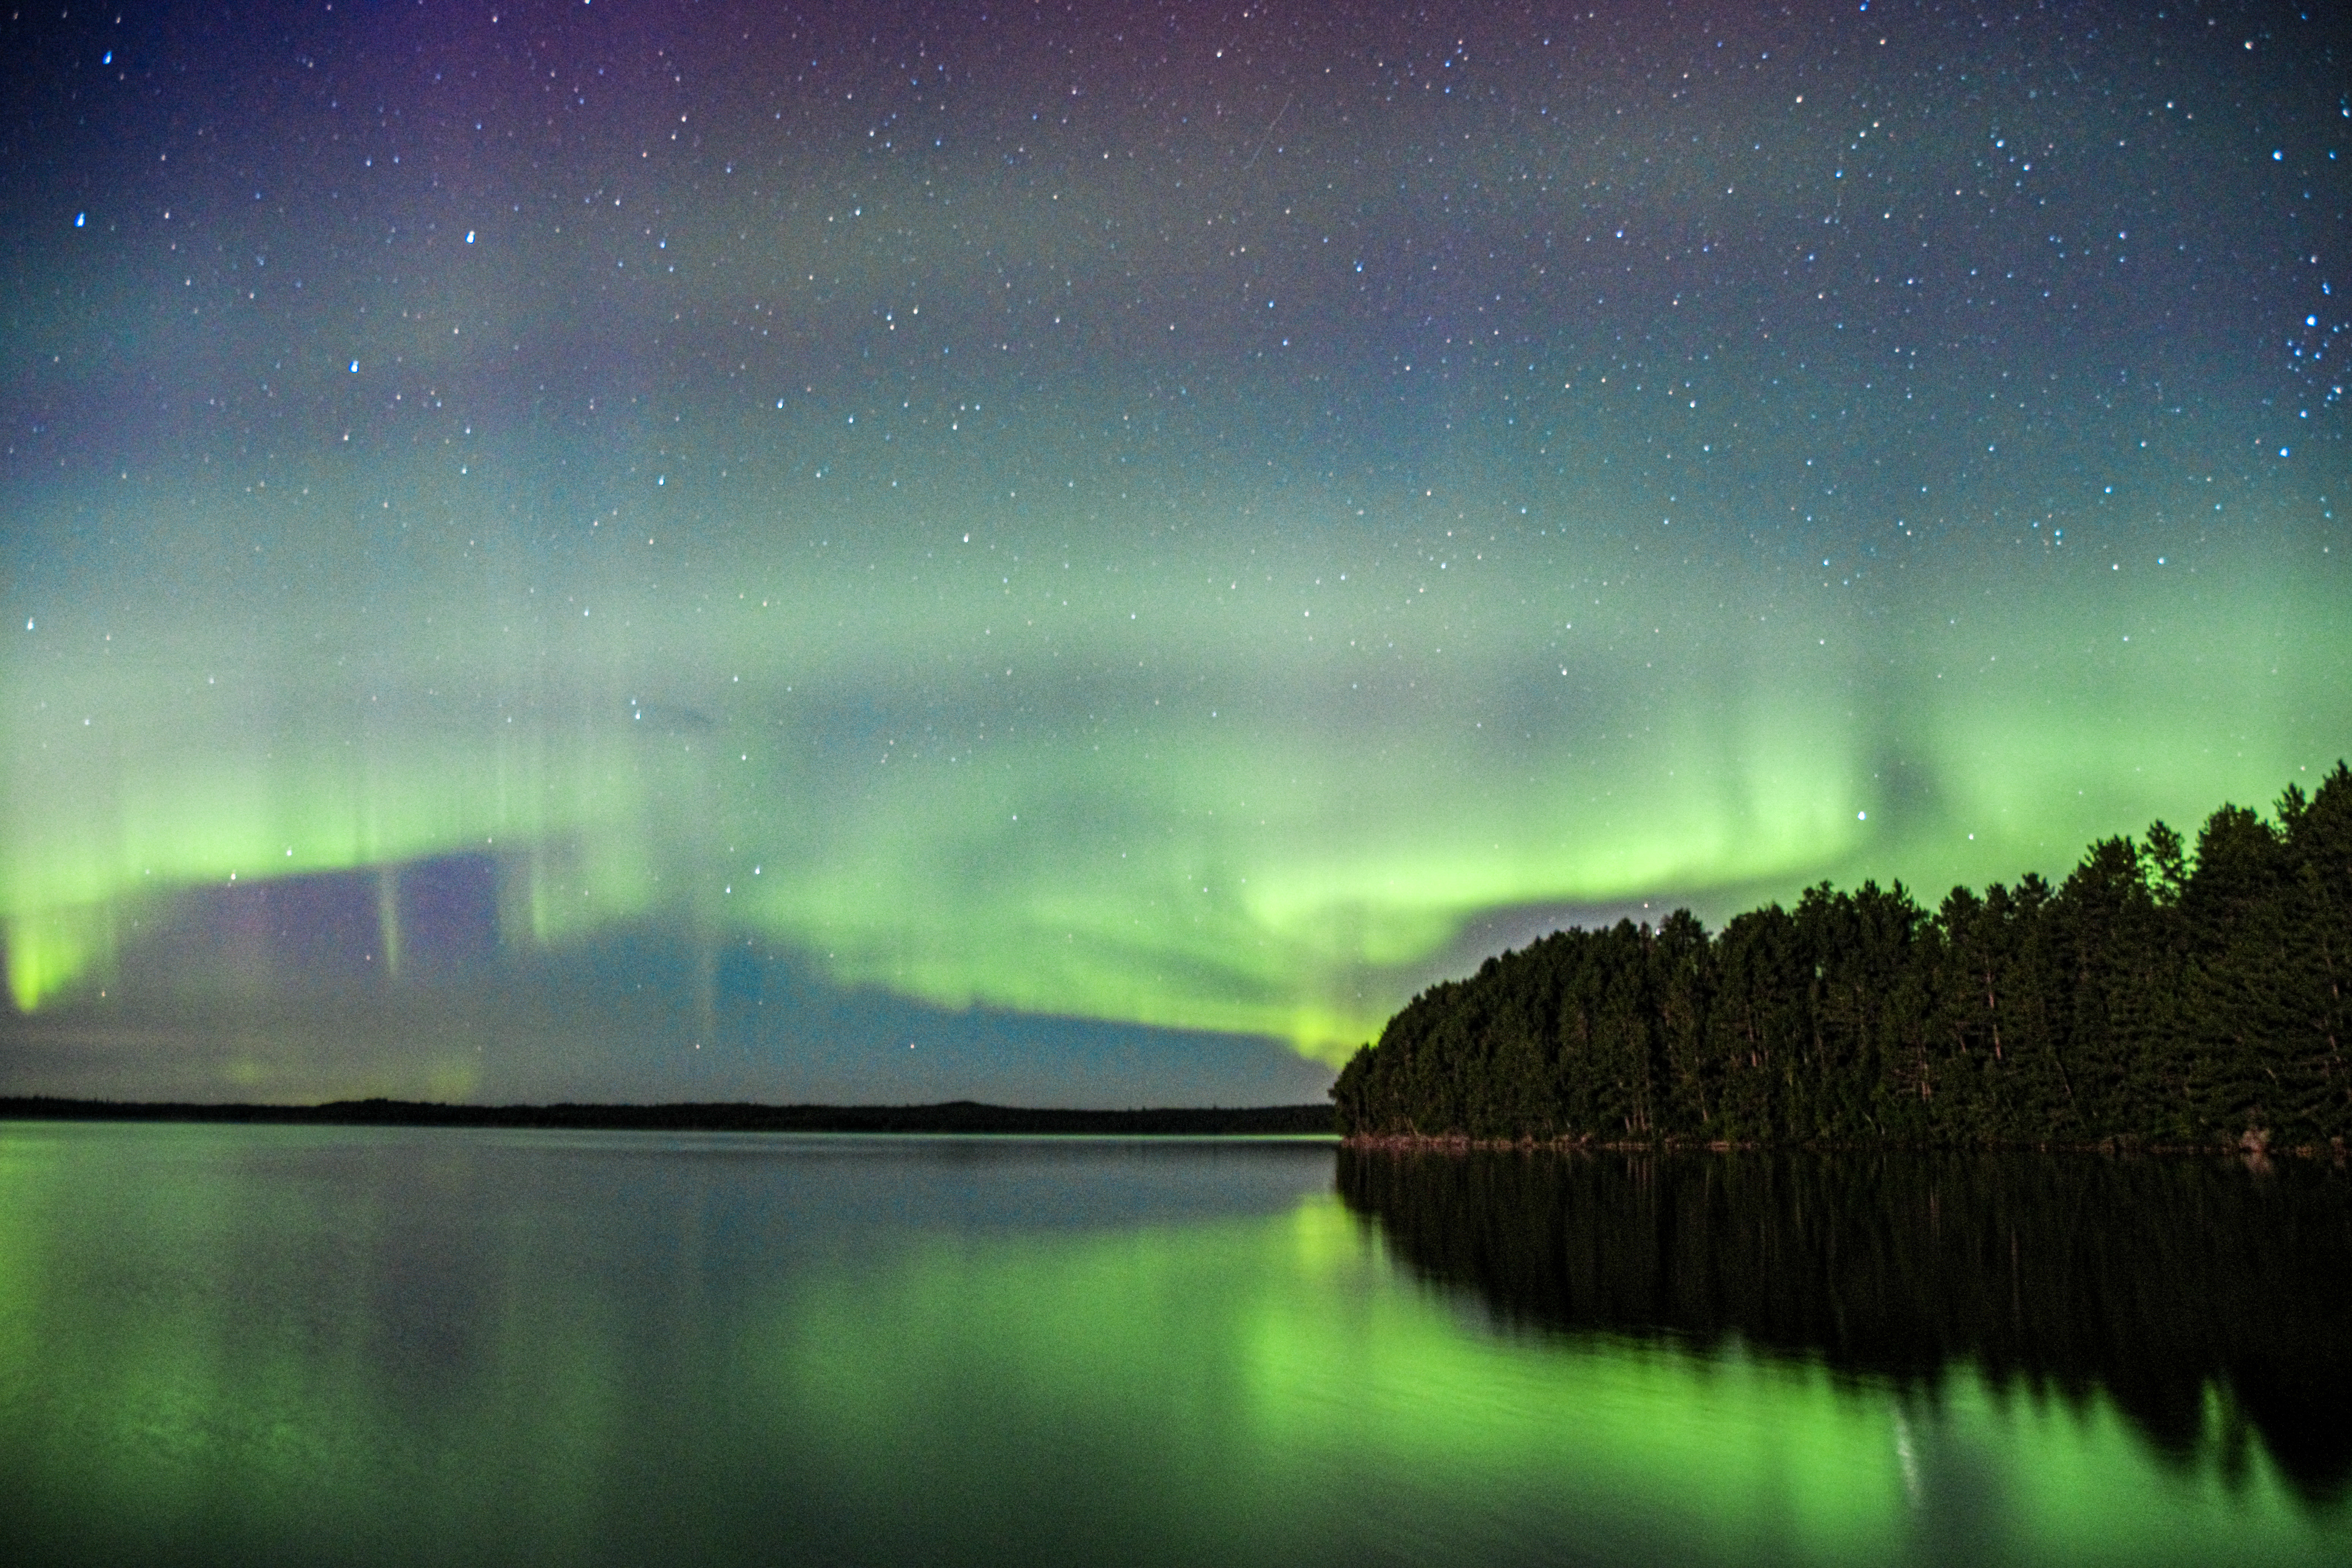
230 1344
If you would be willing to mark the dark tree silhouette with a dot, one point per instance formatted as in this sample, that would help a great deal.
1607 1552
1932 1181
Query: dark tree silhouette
2147 1000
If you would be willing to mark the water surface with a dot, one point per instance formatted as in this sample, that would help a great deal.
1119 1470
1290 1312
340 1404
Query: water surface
244 1343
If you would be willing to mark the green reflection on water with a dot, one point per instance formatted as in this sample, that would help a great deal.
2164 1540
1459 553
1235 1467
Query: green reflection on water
229 1343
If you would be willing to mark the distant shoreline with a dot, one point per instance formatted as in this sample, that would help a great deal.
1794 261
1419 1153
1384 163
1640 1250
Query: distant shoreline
953 1116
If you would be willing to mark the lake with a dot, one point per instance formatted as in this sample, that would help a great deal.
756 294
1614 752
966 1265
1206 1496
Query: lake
243 1344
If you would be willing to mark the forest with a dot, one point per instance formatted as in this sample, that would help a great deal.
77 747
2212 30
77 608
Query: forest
2154 999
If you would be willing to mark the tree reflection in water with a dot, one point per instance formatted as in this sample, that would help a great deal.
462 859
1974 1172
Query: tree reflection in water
2174 1286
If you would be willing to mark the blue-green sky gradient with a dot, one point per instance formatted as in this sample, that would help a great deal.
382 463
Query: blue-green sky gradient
1193 521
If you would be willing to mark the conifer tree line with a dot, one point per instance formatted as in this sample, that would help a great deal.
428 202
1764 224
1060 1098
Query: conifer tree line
2150 999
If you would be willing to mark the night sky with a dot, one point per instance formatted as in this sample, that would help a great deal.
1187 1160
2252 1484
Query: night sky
1083 553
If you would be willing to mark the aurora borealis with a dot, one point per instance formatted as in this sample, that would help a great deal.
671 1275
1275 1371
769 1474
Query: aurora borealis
1077 552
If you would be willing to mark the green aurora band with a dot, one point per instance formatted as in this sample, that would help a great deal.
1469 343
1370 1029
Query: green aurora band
1256 776
1094 569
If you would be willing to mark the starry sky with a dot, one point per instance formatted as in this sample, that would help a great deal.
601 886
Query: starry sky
1082 554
